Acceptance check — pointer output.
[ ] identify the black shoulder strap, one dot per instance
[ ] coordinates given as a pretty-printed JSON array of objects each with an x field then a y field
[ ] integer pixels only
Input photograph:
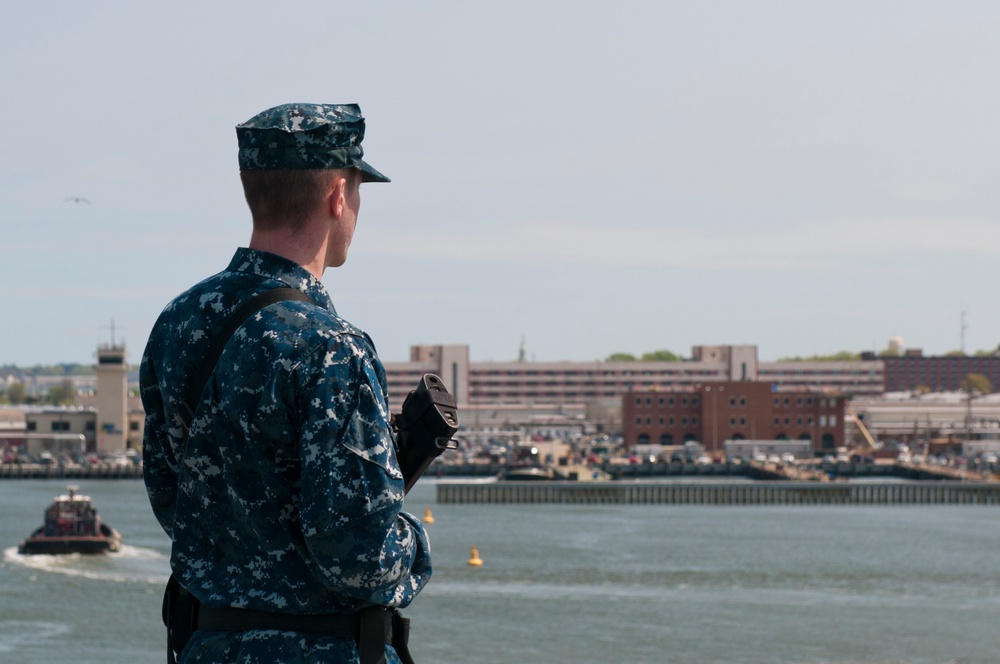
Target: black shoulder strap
[{"x": 245, "y": 310}]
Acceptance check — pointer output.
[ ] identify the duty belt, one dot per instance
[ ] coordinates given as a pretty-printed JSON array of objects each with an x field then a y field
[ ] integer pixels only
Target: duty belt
[{"x": 370, "y": 628}]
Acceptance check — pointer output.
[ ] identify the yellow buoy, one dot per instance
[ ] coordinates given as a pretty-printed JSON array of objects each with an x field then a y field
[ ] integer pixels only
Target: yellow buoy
[
  {"x": 474, "y": 559},
  {"x": 428, "y": 517}
]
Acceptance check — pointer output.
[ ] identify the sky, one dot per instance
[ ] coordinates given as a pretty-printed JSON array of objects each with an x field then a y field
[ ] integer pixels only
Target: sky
[{"x": 587, "y": 177}]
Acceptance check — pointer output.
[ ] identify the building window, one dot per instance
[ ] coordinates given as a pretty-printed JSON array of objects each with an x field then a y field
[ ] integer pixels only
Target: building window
[
  {"x": 638, "y": 421},
  {"x": 694, "y": 421},
  {"x": 822, "y": 420},
  {"x": 684, "y": 421},
  {"x": 743, "y": 402},
  {"x": 32, "y": 426},
  {"x": 833, "y": 420},
  {"x": 694, "y": 401}
]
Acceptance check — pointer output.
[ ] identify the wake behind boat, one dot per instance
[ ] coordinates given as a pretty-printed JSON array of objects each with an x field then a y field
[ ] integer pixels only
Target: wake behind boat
[{"x": 72, "y": 525}]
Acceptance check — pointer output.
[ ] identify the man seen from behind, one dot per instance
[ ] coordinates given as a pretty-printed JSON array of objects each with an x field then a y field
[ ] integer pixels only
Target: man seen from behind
[{"x": 269, "y": 460}]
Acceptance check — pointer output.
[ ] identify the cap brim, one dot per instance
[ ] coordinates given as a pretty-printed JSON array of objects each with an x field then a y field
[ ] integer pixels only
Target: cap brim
[{"x": 369, "y": 174}]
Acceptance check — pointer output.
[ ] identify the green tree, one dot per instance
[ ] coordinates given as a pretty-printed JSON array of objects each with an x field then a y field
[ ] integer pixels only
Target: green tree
[
  {"x": 62, "y": 394},
  {"x": 661, "y": 355},
  {"x": 620, "y": 357},
  {"x": 976, "y": 383},
  {"x": 839, "y": 356},
  {"x": 16, "y": 393}
]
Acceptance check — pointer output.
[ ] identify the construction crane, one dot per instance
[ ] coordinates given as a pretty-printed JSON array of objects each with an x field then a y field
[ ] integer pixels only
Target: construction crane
[{"x": 872, "y": 444}]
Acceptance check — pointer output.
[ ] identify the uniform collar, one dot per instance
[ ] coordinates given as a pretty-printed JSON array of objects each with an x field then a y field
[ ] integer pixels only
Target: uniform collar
[{"x": 273, "y": 266}]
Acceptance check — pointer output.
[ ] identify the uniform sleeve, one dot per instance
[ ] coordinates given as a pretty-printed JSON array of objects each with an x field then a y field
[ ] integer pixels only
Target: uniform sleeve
[
  {"x": 158, "y": 463},
  {"x": 351, "y": 486}
]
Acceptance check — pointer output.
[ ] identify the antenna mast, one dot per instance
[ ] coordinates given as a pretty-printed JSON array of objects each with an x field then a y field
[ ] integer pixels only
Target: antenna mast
[{"x": 963, "y": 331}]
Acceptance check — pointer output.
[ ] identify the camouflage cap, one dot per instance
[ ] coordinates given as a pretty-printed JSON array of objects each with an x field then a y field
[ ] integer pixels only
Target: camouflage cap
[{"x": 305, "y": 136}]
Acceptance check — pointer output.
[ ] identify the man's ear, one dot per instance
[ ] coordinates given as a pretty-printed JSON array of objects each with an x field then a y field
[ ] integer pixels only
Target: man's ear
[{"x": 338, "y": 196}]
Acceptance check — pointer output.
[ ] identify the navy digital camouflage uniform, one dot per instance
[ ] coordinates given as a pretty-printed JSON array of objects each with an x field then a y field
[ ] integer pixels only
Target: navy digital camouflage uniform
[{"x": 285, "y": 495}]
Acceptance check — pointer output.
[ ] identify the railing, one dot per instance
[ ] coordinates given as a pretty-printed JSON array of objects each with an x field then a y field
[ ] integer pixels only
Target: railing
[
  {"x": 716, "y": 493},
  {"x": 98, "y": 471}
]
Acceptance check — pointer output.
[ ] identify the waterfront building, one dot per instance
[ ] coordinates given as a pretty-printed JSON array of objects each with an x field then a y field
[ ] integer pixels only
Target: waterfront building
[
  {"x": 11, "y": 420},
  {"x": 732, "y": 410},
  {"x": 496, "y": 392},
  {"x": 913, "y": 371},
  {"x": 503, "y": 399},
  {"x": 852, "y": 378},
  {"x": 946, "y": 418},
  {"x": 109, "y": 418},
  {"x": 587, "y": 382}
]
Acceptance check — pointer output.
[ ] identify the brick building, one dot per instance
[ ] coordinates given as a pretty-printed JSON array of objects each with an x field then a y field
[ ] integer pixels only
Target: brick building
[
  {"x": 720, "y": 411},
  {"x": 913, "y": 371}
]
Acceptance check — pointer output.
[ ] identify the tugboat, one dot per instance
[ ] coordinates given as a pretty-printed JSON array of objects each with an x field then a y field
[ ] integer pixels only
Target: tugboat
[
  {"x": 72, "y": 526},
  {"x": 520, "y": 472}
]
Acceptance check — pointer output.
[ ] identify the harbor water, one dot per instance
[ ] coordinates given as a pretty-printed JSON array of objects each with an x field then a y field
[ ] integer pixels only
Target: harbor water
[{"x": 748, "y": 584}]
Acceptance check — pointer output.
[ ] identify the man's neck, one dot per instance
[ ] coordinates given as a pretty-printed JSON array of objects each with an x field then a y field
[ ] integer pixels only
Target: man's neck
[{"x": 306, "y": 248}]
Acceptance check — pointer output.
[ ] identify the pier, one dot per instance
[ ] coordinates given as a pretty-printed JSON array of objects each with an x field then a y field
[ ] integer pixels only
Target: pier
[
  {"x": 97, "y": 471},
  {"x": 707, "y": 492}
]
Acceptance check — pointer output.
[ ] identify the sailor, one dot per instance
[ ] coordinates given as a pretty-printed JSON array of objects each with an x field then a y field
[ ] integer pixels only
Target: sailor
[{"x": 274, "y": 472}]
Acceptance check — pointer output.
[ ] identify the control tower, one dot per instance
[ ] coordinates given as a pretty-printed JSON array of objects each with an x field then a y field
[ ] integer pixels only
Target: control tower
[{"x": 112, "y": 397}]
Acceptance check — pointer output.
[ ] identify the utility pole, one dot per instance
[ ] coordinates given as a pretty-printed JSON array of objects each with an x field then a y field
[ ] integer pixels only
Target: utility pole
[{"x": 963, "y": 331}]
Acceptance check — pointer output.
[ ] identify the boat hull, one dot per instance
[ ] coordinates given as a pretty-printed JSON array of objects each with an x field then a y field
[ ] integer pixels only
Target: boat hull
[
  {"x": 109, "y": 541},
  {"x": 531, "y": 474}
]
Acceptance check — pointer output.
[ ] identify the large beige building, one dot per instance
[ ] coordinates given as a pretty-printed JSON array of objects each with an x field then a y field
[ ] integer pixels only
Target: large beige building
[
  {"x": 497, "y": 392},
  {"x": 566, "y": 383}
]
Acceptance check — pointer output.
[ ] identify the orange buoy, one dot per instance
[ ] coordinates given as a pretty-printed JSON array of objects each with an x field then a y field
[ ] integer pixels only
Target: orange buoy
[
  {"x": 474, "y": 558},
  {"x": 428, "y": 517}
]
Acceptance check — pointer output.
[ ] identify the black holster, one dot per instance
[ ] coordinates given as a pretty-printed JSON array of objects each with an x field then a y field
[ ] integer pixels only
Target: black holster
[{"x": 180, "y": 617}]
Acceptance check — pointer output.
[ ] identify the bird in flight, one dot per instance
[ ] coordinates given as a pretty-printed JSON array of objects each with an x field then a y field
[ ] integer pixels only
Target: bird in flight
[{"x": 76, "y": 199}]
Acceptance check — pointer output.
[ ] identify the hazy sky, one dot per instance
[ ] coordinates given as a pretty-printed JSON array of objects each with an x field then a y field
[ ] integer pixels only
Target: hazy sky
[{"x": 593, "y": 176}]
